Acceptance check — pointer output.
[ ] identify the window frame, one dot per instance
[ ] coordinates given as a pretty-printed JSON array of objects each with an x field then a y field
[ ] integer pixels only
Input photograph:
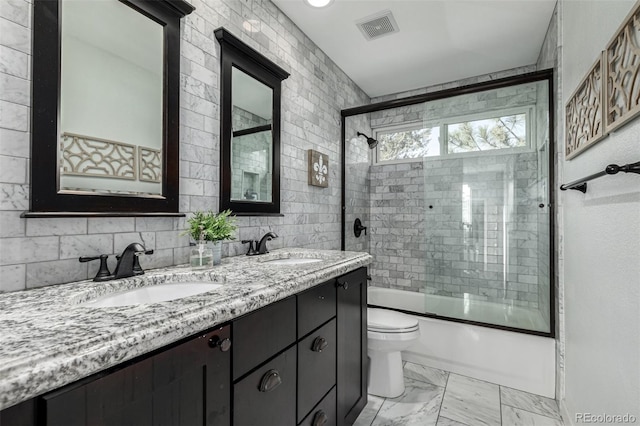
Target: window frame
[{"x": 530, "y": 129}]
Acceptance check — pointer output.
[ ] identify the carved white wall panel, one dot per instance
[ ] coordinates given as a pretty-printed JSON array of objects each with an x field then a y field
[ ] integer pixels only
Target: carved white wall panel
[
  {"x": 622, "y": 63},
  {"x": 150, "y": 164},
  {"x": 88, "y": 156},
  {"x": 584, "y": 113}
]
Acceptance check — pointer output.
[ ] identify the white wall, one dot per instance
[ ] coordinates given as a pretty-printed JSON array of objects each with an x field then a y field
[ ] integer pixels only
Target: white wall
[{"x": 601, "y": 240}]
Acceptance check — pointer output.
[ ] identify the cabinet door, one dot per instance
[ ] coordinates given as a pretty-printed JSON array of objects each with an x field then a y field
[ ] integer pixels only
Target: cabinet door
[
  {"x": 315, "y": 307},
  {"x": 261, "y": 334},
  {"x": 267, "y": 397},
  {"x": 186, "y": 384},
  {"x": 191, "y": 382},
  {"x": 324, "y": 413},
  {"x": 352, "y": 345}
]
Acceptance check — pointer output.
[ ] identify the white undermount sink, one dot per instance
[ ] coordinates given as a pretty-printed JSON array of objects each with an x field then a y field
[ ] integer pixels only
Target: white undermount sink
[
  {"x": 151, "y": 294},
  {"x": 293, "y": 261}
]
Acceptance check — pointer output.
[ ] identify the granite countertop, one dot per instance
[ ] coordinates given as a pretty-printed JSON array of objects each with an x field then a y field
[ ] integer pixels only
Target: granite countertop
[{"x": 47, "y": 339}]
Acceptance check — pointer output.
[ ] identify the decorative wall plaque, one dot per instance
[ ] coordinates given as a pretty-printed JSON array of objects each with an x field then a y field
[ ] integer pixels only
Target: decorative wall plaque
[
  {"x": 318, "y": 169},
  {"x": 622, "y": 71},
  {"x": 583, "y": 113}
]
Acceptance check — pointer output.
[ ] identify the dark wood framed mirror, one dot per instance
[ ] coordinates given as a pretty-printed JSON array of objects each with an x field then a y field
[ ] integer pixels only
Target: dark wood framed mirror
[
  {"x": 105, "y": 116},
  {"x": 250, "y": 129}
]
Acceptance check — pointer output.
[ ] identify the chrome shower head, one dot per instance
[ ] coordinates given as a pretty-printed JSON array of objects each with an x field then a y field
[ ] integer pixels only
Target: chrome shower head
[{"x": 371, "y": 141}]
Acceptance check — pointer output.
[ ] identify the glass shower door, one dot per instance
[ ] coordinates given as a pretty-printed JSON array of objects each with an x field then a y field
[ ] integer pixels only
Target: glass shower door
[{"x": 487, "y": 225}]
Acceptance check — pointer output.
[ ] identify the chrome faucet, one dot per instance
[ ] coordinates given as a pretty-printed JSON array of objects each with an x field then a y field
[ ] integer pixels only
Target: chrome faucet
[
  {"x": 262, "y": 245},
  {"x": 128, "y": 263}
]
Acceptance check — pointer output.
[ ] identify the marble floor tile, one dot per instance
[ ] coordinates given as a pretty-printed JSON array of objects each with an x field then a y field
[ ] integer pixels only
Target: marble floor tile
[
  {"x": 516, "y": 417},
  {"x": 417, "y": 406},
  {"x": 529, "y": 402},
  {"x": 425, "y": 374},
  {"x": 370, "y": 411},
  {"x": 443, "y": 421},
  {"x": 471, "y": 401}
]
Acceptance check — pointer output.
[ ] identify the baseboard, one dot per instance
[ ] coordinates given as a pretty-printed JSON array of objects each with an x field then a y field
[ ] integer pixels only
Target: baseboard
[{"x": 566, "y": 418}]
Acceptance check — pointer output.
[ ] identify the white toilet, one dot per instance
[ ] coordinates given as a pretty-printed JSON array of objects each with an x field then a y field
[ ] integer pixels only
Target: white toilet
[{"x": 388, "y": 332}]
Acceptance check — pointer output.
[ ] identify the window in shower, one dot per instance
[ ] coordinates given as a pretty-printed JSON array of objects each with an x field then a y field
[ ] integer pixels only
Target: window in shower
[
  {"x": 408, "y": 142},
  {"x": 506, "y": 129},
  {"x": 496, "y": 132}
]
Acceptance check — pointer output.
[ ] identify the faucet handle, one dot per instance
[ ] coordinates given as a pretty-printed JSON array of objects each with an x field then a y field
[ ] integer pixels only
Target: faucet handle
[
  {"x": 103, "y": 273},
  {"x": 137, "y": 269},
  {"x": 251, "y": 250}
]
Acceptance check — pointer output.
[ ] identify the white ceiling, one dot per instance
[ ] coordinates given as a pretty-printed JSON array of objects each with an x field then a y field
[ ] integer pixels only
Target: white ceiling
[{"x": 439, "y": 41}]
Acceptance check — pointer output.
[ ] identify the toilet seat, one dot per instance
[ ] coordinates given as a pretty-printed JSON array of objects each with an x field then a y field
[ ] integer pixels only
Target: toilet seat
[{"x": 386, "y": 321}]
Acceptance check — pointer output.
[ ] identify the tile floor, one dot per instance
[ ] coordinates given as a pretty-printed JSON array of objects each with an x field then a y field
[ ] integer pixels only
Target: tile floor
[{"x": 438, "y": 398}]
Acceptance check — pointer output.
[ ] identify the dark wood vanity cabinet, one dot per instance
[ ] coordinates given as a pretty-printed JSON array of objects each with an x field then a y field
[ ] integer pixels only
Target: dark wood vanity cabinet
[
  {"x": 186, "y": 384},
  {"x": 298, "y": 361},
  {"x": 352, "y": 343},
  {"x": 329, "y": 349}
]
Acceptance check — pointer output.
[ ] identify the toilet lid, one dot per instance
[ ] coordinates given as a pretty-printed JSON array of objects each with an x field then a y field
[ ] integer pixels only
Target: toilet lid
[{"x": 386, "y": 321}]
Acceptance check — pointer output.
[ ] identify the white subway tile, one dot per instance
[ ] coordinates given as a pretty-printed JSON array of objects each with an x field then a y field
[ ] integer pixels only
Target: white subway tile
[
  {"x": 85, "y": 245},
  {"x": 56, "y": 226},
  {"x": 12, "y": 278},
  {"x": 28, "y": 250},
  {"x": 15, "y": 36}
]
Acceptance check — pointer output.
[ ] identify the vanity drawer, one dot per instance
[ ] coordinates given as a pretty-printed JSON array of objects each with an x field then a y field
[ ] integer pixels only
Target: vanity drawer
[
  {"x": 265, "y": 397},
  {"x": 324, "y": 414},
  {"x": 262, "y": 334},
  {"x": 316, "y": 367},
  {"x": 316, "y": 306}
]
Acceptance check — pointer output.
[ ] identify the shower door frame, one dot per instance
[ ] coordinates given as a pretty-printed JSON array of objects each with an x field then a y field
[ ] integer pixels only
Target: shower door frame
[{"x": 531, "y": 77}]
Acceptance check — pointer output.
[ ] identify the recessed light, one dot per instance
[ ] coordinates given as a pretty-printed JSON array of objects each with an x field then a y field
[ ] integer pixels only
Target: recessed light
[
  {"x": 251, "y": 25},
  {"x": 318, "y": 3}
]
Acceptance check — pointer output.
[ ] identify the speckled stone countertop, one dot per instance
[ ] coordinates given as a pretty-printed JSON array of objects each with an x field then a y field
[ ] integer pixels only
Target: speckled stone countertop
[{"x": 47, "y": 339}]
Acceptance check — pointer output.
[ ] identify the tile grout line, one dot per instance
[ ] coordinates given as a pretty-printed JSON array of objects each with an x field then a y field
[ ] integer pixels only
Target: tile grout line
[
  {"x": 379, "y": 408},
  {"x": 443, "y": 394},
  {"x": 532, "y": 412}
]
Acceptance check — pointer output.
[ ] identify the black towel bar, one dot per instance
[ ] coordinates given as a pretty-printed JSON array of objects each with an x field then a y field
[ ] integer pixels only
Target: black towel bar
[{"x": 611, "y": 169}]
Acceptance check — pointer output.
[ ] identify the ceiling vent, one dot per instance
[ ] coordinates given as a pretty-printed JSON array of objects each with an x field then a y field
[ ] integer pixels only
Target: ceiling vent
[{"x": 378, "y": 25}]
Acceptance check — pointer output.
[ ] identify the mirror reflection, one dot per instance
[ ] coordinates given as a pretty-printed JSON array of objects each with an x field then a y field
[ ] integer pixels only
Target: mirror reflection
[
  {"x": 111, "y": 100},
  {"x": 251, "y": 139}
]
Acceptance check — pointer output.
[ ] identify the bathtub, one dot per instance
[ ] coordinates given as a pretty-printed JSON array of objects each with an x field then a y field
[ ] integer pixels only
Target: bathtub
[{"x": 516, "y": 360}]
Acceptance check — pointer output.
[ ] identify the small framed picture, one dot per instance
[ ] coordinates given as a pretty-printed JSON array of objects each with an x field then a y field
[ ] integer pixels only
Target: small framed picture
[{"x": 318, "y": 169}]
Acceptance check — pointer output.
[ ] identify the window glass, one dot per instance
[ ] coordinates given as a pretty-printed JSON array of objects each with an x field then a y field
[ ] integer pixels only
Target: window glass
[
  {"x": 492, "y": 133},
  {"x": 411, "y": 143}
]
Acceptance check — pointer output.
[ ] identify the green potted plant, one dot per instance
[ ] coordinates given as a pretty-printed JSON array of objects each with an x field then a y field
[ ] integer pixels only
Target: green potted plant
[{"x": 209, "y": 228}]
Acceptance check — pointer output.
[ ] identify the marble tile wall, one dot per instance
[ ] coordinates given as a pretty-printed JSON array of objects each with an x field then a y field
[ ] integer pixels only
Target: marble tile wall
[
  {"x": 457, "y": 83},
  {"x": 420, "y": 244},
  {"x": 39, "y": 252}
]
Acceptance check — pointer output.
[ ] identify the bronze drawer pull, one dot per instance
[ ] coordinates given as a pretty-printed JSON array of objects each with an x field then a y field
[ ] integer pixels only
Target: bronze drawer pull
[
  {"x": 319, "y": 419},
  {"x": 270, "y": 381},
  {"x": 223, "y": 344},
  {"x": 344, "y": 285},
  {"x": 319, "y": 344}
]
